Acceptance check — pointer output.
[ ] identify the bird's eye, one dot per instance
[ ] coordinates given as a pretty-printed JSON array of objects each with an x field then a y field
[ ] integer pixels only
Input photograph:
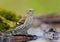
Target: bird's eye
[{"x": 30, "y": 10}]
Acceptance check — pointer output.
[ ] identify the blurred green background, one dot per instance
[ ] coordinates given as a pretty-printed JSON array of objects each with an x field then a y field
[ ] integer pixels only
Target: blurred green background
[
  {"x": 8, "y": 20},
  {"x": 41, "y": 7}
]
